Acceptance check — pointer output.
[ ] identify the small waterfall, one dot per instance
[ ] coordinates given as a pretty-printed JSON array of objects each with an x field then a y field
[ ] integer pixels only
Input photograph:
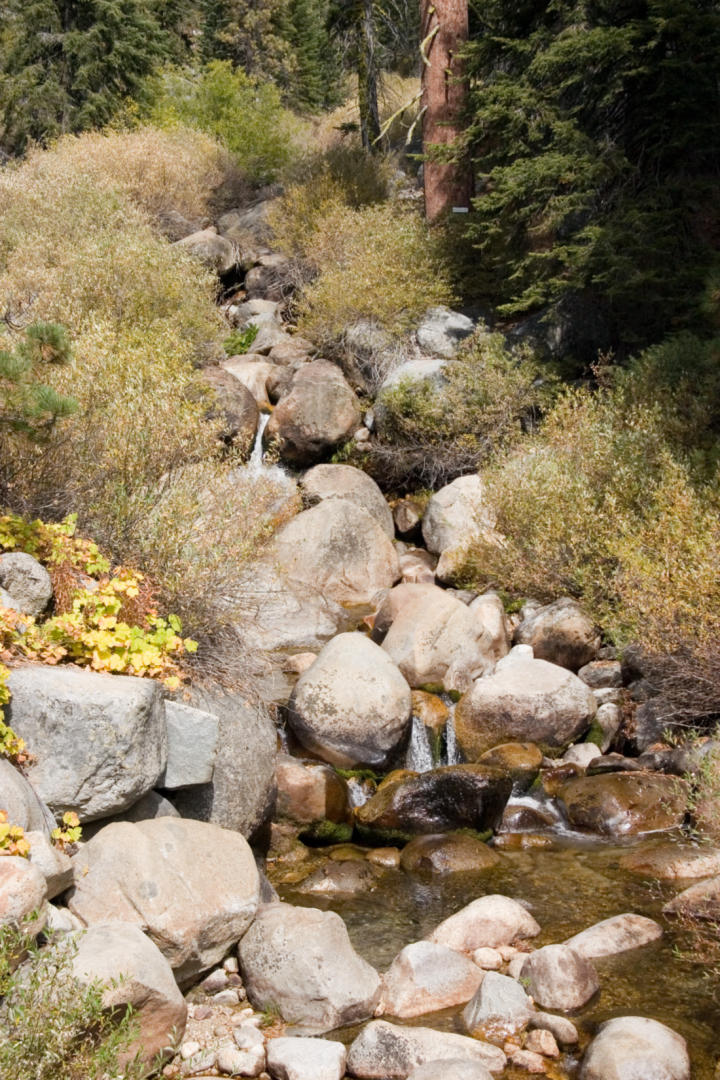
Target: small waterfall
[
  {"x": 358, "y": 792},
  {"x": 255, "y": 463},
  {"x": 419, "y": 753},
  {"x": 454, "y": 757}
]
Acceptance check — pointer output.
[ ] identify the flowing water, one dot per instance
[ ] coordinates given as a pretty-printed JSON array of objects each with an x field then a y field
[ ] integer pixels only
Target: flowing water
[
  {"x": 567, "y": 888},
  {"x": 255, "y": 462}
]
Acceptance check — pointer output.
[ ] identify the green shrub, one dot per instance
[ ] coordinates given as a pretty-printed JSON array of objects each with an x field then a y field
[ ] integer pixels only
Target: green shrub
[
  {"x": 240, "y": 341},
  {"x": 54, "y": 1028},
  {"x": 27, "y": 406},
  {"x": 245, "y": 114},
  {"x": 429, "y": 433}
]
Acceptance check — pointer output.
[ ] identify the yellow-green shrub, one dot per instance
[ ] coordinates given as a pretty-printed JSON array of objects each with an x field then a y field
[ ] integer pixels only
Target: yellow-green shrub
[
  {"x": 378, "y": 262},
  {"x": 597, "y": 505}
]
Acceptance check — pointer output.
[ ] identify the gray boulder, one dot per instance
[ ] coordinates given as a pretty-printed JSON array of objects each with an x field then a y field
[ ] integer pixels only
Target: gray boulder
[
  {"x": 241, "y": 793},
  {"x": 234, "y": 406},
  {"x": 384, "y": 1051},
  {"x": 634, "y": 1047},
  {"x": 191, "y": 886},
  {"x": 26, "y": 581},
  {"x": 320, "y": 411},
  {"x": 527, "y": 700},
  {"x": 339, "y": 550},
  {"x": 214, "y": 251},
  {"x": 455, "y": 514},
  {"x": 192, "y": 737},
  {"x": 499, "y": 1009},
  {"x": 454, "y": 1069},
  {"x": 345, "y": 482},
  {"x": 306, "y": 1059},
  {"x": 301, "y": 961},
  {"x": 560, "y": 632},
  {"x": 442, "y": 330},
  {"x": 559, "y": 978},
  {"x": 352, "y": 706},
  {"x": 21, "y": 802},
  {"x": 99, "y": 740},
  {"x": 134, "y": 973},
  {"x": 53, "y": 863},
  {"x": 615, "y": 935},
  {"x": 488, "y": 921},
  {"x": 424, "y": 978}
]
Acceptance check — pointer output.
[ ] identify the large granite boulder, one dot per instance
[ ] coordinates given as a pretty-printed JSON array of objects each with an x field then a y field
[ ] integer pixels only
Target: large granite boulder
[
  {"x": 26, "y": 581},
  {"x": 499, "y": 1009},
  {"x": 631, "y": 1047},
  {"x": 455, "y": 516},
  {"x": 320, "y": 411},
  {"x": 352, "y": 706},
  {"x": 133, "y": 973},
  {"x": 241, "y": 793},
  {"x": 451, "y": 797},
  {"x": 490, "y": 921},
  {"x": 670, "y": 861},
  {"x": 442, "y": 330},
  {"x": 527, "y": 700},
  {"x": 424, "y": 978},
  {"x": 339, "y": 550},
  {"x": 233, "y": 406},
  {"x": 560, "y": 632},
  {"x": 191, "y": 886},
  {"x": 192, "y": 744},
  {"x": 300, "y": 961},
  {"x": 99, "y": 740},
  {"x": 347, "y": 482},
  {"x": 559, "y": 978},
  {"x": 615, "y": 935},
  {"x": 384, "y": 1051},
  {"x": 436, "y": 640},
  {"x": 213, "y": 250},
  {"x": 625, "y": 803},
  {"x": 253, "y": 372},
  {"x": 306, "y": 1059}
]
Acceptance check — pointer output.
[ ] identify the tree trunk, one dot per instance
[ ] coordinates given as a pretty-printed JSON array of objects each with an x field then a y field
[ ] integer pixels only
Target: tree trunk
[
  {"x": 367, "y": 79},
  {"x": 444, "y": 30}
]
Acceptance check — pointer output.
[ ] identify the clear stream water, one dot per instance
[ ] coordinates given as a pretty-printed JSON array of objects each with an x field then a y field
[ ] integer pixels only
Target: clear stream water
[{"x": 567, "y": 888}]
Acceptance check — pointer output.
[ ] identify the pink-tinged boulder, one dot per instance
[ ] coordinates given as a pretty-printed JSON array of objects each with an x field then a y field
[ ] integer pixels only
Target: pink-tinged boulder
[
  {"x": 615, "y": 935},
  {"x": 320, "y": 411},
  {"x": 560, "y": 632},
  {"x": 634, "y": 1047},
  {"x": 424, "y": 978},
  {"x": 559, "y": 978},
  {"x": 488, "y": 921},
  {"x": 384, "y": 1051}
]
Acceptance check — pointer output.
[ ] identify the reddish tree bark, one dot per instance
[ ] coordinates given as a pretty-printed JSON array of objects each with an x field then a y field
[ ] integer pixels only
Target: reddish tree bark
[{"x": 444, "y": 30}]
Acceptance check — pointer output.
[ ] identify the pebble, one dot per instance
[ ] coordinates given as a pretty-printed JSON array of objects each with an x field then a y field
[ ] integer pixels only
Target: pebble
[
  {"x": 237, "y": 1062},
  {"x": 247, "y": 1036},
  {"x": 542, "y": 1041},
  {"x": 200, "y": 1012},
  {"x": 231, "y": 965},
  {"x": 488, "y": 959},
  {"x": 189, "y": 1049},
  {"x": 201, "y": 1062},
  {"x": 389, "y": 857},
  {"x": 507, "y": 952},
  {"x": 227, "y": 997},
  {"x": 215, "y": 981},
  {"x": 563, "y": 1029}
]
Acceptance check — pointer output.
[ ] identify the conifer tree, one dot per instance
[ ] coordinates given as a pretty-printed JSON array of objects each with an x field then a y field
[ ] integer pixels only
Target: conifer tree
[
  {"x": 27, "y": 405},
  {"x": 71, "y": 63}
]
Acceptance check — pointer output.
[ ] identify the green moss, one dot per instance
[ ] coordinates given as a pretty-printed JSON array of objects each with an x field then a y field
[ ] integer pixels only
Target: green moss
[
  {"x": 376, "y": 836},
  {"x": 324, "y": 832},
  {"x": 433, "y": 688},
  {"x": 595, "y": 735},
  {"x": 360, "y": 774}
]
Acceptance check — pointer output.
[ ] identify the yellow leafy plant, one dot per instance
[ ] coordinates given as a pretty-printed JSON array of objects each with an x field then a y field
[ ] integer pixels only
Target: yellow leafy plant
[
  {"x": 69, "y": 832},
  {"x": 52, "y": 543},
  {"x": 12, "y": 838},
  {"x": 11, "y": 745}
]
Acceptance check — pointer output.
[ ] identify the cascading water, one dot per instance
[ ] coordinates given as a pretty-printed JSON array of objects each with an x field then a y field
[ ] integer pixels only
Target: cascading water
[
  {"x": 452, "y": 752},
  {"x": 255, "y": 463},
  {"x": 419, "y": 756}
]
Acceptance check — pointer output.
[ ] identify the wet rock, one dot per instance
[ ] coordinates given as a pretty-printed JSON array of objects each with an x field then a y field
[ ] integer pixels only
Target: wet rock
[
  {"x": 192, "y": 737},
  {"x": 309, "y": 791},
  {"x": 119, "y": 744},
  {"x": 306, "y": 1059},
  {"x": 625, "y": 804},
  {"x": 320, "y": 411},
  {"x": 452, "y": 797},
  {"x": 242, "y": 790},
  {"x": 352, "y": 706},
  {"x": 492, "y": 921},
  {"x": 526, "y": 1059},
  {"x": 447, "y": 853},
  {"x": 301, "y": 961},
  {"x": 612, "y": 763},
  {"x": 431, "y": 710},
  {"x": 340, "y": 879},
  {"x": 436, "y": 640},
  {"x": 542, "y": 1042},
  {"x": 346, "y": 482},
  {"x": 133, "y": 972},
  {"x": 424, "y": 978},
  {"x": 26, "y": 581},
  {"x": 21, "y": 802},
  {"x": 633, "y": 1046},
  {"x": 615, "y": 935},
  {"x": 387, "y": 857},
  {"x": 499, "y": 1009},
  {"x": 520, "y": 761},
  {"x": 559, "y": 978},
  {"x": 23, "y": 894},
  {"x": 582, "y": 754},
  {"x": 560, "y": 632},
  {"x": 384, "y": 1051},
  {"x": 700, "y": 901},
  {"x": 668, "y": 862},
  {"x": 192, "y": 886},
  {"x": 562, "y": 1029},
  {"x": 339, "y": 550},
  {"x": 526, "y": 701},
  {"x": 607, "y": 723}
]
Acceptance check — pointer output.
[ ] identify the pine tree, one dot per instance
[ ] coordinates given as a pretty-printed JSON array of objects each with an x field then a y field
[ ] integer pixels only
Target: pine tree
[
  {"x": 253, "y": 35},
  {"x": 27, "y": 405},
  {"x": 595, "y": 129},
  {"x": 316, "y": 82},
  {"x": 71, "y": 63}
]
